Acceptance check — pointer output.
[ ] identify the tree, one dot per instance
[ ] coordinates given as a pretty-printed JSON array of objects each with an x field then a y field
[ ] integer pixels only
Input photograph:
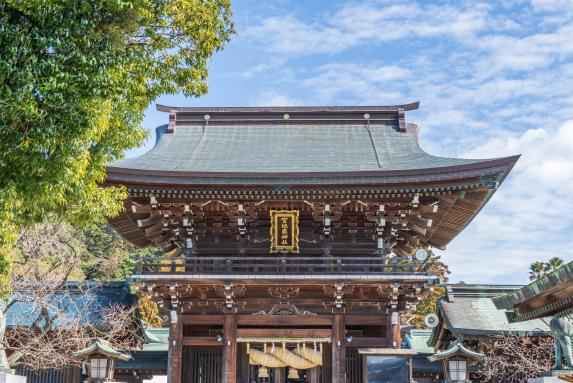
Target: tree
[
  {"x": 515, "y": 359},
  {"x": 536, "y": 270},
  {"x": 75, "y": 79},
  {"x": 47, "y": 258},
  {"x": 428, "y": 304},
  {"x": 107, "y": 255},
  {"x": 540, "y": 269},
  {"x": 58, "y": 325},
  {"x": 55, "y": 316}
]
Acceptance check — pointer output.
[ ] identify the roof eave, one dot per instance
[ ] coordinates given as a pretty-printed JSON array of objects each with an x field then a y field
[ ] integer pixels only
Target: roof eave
[
  {"x": 299, "y": 177},
  {"x": 527, "y": 292}
]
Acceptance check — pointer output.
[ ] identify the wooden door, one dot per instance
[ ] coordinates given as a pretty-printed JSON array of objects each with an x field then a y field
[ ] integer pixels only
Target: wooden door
[{"x": 202, "y": 365}]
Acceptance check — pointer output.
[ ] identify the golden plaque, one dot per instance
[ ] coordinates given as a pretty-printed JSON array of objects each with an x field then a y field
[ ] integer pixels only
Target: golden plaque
[{"x": 284, "y": 231}]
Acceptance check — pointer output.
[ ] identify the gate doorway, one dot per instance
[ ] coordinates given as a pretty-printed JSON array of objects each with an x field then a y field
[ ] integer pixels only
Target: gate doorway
[
  {"x": 257, "y": 360},
  {"x": 202, "y": 365}
]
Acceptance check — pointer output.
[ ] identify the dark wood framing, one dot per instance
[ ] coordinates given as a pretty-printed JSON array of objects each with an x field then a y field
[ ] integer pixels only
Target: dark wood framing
[
  {"x": 355, "y": 274},
  {"x": 235, "y": 366}
]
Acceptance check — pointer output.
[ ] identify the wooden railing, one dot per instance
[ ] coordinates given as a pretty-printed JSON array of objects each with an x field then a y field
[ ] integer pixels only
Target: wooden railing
[{"x": 275, "y": 265}]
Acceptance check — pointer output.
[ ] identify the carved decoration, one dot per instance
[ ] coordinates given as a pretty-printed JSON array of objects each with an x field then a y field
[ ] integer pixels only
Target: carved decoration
[
  {"x": 283, "y": 292},
  {"x": 284, "y": 309}
]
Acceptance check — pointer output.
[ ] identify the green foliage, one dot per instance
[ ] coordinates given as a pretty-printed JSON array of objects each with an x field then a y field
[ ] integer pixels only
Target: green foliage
[
  {"x": 107, "y": 255},
  {"x": 428, "y": 304},
  {"x": 540, "y": 269},
  {"x": 75, "y": 79},
  {"x": 148, "y": 310}
]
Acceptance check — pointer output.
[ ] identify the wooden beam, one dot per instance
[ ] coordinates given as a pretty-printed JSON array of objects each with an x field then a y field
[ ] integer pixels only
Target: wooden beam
[
  {"x": 429, "y": 208},
  {"x": 413, "y": 241},
  {"x": 155, "y": 230},
  {"x": 201, "y": 341},
  {"x": 280, "y": 332},
  {"x": 286, "y": 320},
  {"x": 369, "y": 342},
  {"x": 203, "y": 319},
  {"x": 145, "y": 222},
  {"x": 417, "y": 229},
  {"x": 353, "y": 319},
  {"x": 423, "y": 222}
]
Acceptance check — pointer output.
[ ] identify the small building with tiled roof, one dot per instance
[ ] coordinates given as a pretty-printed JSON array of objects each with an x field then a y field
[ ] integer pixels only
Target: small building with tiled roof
[{"x": 468, "y": 311}]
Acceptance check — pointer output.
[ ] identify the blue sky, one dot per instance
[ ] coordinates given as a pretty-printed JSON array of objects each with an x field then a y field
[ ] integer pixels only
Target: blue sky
[{"x": 494, "y": 79}]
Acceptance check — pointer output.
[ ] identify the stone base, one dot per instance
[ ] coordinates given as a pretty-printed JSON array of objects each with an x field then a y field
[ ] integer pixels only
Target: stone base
[
  {"x": 545, "y": 379},
  {"x": 551, "y": 376},
  {"x": 8, "y": 377}
]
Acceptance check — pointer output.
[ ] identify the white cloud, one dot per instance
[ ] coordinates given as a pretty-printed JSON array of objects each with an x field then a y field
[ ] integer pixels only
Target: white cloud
[
  {"x": 528, "y": 218},
  {"x": 366, "y": 84},
  {"x": 359, "y": 23},
  {"x": 552, "y": 5},
  {"x": 271, "y": 98}
]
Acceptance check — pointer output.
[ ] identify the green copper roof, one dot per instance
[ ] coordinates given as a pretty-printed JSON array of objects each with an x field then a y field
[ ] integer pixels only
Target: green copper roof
[
  {"x": 558, "y": 279},
  {"x": 100, "y": 346},
  {"x": 156, "y": 361},
  {"x": 457, "y": 348},
  {"x": 157, "y": 339},
  {"x": 269, "y": 148},
  {"x": 296, "y": 145},
  {"x": 417, "y": 339}
]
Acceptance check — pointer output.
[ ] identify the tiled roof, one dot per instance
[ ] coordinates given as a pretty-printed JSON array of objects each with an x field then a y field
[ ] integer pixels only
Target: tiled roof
[
  {"x": 557, "y": 279},
  {"x": 468, "y": 310},
  {"x": 157, "y": 339},
  {"x": 303, "y": 145},
  {"x": 100, "y": 346},
  {"x": 144, "y": 360},
  {"x": 86, "y": 306},
  {"x": 269, "y": 148},
  {"x": 456, "y": 348},
  {"x": 153, "y": 354}
]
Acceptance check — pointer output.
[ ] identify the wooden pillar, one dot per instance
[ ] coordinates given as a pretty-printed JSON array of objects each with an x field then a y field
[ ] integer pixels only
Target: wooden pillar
[
  {"x": 279, "y": 375},
  {"x": 338, "y": 350},
  {"x": 230, "y": 349},
  {"x": 175, "y": 349},
  {"x": 244, "y": 367},
  {"x": 393, "y": 330},
  {"x": 327, "y": 364},
  {"x": 314, "y": 376}
]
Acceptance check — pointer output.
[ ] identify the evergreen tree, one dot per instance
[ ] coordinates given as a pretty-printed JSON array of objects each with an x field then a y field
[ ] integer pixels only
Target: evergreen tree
[{"x": 75, "y": 79}]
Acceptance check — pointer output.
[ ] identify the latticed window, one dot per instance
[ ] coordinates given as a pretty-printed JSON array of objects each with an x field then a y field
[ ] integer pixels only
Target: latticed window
[
  {"x": 458, "y": 370},
  {"x": 98, "y": 368}
]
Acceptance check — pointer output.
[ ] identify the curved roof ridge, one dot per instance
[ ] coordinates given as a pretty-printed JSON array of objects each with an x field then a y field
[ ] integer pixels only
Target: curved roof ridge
[
  {"x": 457, "y": 348},
  {"x": 279, "y": 109}
]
